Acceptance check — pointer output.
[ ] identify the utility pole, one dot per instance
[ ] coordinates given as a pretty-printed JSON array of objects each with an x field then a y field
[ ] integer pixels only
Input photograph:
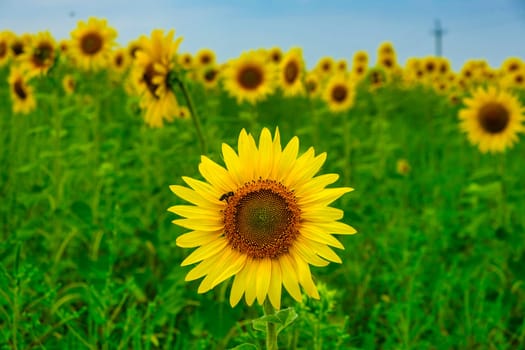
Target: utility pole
[{"x": 438, "y": 36}]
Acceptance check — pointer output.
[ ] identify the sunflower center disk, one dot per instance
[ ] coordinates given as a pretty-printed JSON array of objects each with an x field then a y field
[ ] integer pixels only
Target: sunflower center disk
[
  {"x": 91, "y": 43},
  {"x": 493, "y": 117},
  {"x": 19, "y": 89},
  {"x": 3, "y": 49},
  {"x": 262, "y": 219},
  {"x": 42, "y": 54},
  {"x": 339, "y": 93},
  {"x": 291, "y": 72},
  {"x": 250, "y": 78}
]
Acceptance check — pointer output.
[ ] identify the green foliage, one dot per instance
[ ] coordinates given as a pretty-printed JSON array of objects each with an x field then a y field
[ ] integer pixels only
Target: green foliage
[{"x": 88, "y": 257}]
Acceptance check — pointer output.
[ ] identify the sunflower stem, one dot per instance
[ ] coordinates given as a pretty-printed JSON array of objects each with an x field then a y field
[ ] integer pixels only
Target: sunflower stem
[
  {"x": 194, "y": 116},
  {"x": 271, "y": 332}
]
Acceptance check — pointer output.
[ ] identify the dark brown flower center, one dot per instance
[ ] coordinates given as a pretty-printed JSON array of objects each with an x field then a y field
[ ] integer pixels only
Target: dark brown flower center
[
  {"x": 250, "y": 77},
  {"x": 119, "y": 60},
  {"x": 91, "y": 43},
  {"x": 493, "y": 117},
  {"x": 3, "y": 49},
  {"x": 513, "y": 67},
  {"x": 19, "y": 89},
  {"x": 205, "y": 59},
  {"x": 387, "y": 62},
  {"x": 147, "y": 77},
  {"x": 311, "y": 86},
  {"x": 43, "y": 55},
  {"x": 210, "y": 75},
  {"x": 339, "y": 93},
  {"x": 430, "y": 67},
  {"x": 518, "y": 79},
  {"x": 360, "y": 70},
  {"x": 17, "y": 47},
  {"x": 262, "y": 219},
  {"x": 291, "y": 72},
  {"x": 276, "y": 56}
]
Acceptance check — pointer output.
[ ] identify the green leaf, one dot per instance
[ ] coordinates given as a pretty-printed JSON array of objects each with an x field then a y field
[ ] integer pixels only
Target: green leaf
[{"x": 244, "y": 346}]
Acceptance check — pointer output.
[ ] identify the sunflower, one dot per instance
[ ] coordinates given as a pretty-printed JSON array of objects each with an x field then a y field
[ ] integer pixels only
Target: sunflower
[
  {"x": 133, "y": 47},
  {"x": 312, "y": 83},
  {"x": 40, "y": 55},
  {"x": 325, "y": 66},
  {"x": 69, "y": 84},
  {"x": 249, "y": 77},
  {"x": 263, "y": 219},
  {"x": 152, "y": 67},
  {"x": 512, "y": 64},
  {"x": 275, "y": 55},
  {"x": 19, "y": 44},
  {"x": 120, "y": 60},
  {"x": 21, "y": 92},
  {"x": 91, "y": 43},
  {"x": 183, "y": 112},
  {"x": 359, "y": 70},
  {"x": 209, "y": 76},
  {"x": 291, "y": 73},
  {"x": 5, "y": 43},
  {"x": 339, "y": 93},
  {"x": 492, "y": 119},
  {"x": 205, "y": 57},
  {"x": 185, "y": 60},
  {"x": 360, "y": 57}
]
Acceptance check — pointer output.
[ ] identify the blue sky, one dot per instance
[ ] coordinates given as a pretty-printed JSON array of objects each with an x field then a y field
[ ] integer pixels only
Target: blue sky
[{"x": 490, "y": 29}]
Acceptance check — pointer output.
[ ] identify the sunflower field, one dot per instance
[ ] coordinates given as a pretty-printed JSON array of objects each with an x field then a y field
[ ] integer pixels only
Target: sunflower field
[{"x": 158, "y": 199}]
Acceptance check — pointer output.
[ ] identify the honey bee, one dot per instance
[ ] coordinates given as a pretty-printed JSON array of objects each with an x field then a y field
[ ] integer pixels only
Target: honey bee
[{"x": 226, "y": 196}]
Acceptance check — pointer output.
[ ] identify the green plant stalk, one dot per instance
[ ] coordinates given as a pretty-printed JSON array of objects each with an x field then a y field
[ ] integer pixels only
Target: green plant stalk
[
  {"x": 271, "y": 332},
  {"x": 194, "y": 116}
]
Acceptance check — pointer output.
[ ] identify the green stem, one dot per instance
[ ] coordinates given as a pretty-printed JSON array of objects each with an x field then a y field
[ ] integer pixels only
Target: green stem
[
  {"x": 271, "y": 332},
  {"x": 194, "y": 116}
]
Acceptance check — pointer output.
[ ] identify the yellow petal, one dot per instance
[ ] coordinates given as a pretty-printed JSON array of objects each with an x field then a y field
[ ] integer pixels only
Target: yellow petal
[
  {"x": 334, "y": 227},
  {"x": 207, "y": 191},
  {"x": 324, "y": 251},
  {"x": 265, "y": 154},
  {"x": 317, "y": 183},
  {"x": 308, "y": 254},
  {"x": 190, "y": 195},
  {"x": 305, "y": 277},
  {"x": 216, "y": 175},
  {"x": 206, "y": 251},
  {"x": 264, "y": 274},
  {"x": 321, "y": 213},
  {"x": 238, "y": 286},
  {"x": 288, "y": 158},
  {"x": 274, "y": 290},
  {"x": 202, "y": 268},
  {"x": 220, "y": 265},
  {"x": 324, "y": 197},
  {"x": 247, "y": 154},
  {"x": 191, "y": 211},
  {"x": 198, "y": 225},
  {"x": 233, "y": 164},
  {"x": 312, "y": 234},
  {"x": 251, "y": 280},
  {"x": 236, "y": 263},
  {"x": 289, "y": 276},
  {"x": 197, "y": 238},
  {"x": 304, "y": 172}
]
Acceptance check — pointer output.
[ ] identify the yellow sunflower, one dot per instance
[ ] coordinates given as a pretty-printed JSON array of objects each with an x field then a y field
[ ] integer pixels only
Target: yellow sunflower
[
  {"x": 512, "y": 64},
  {"x": 91, "y": 43},
  {"x": 264, "y": 219},
  {"x": 120, "y": 60},
  {"x": 275, "y": 55},
  {"x": 325, "y": 66},
  {"x": 360, "y": 57},
  {"x": 40, "y": 55},
  {"x": 19, "y": 44},
  {"x": 5, "y": 43},
  {"x": 185, "y": 60},
  {"x": 69, "y": 84},
  {"x": 204, "y": 57},
  {"x": 151, "y": 70},
  {"x": 209, "y": 76},
  {"x": 291, "y": 73},
  {"x": 312, "y": 83},
  {"x": 249, "y": 77},
  {"x": 21, "y": 92},
  {"x": 492, "y": 119},
  {"x": 339, "y": 93}
]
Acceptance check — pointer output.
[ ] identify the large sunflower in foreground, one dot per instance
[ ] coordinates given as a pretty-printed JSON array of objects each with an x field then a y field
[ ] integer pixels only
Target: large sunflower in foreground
[
  {"x": 21, "y": 92},
  {"x": 91, "y": 43},
  {"x": 249, "y": 77},
  {"x": 492, "y": 119},
  {"x": 263, "y": 219}
]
